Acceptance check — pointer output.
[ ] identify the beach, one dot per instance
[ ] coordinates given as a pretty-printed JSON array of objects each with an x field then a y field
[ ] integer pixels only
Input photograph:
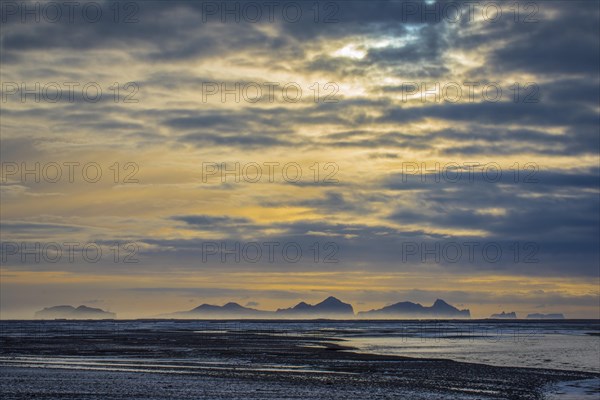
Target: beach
[{"x": 176, "y": 360}]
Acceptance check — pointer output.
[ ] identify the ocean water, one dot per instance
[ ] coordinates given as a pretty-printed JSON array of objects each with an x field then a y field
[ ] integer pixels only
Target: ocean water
[
  {"x": 557, "y": 345},
  {"x": 564, "y": 345}
]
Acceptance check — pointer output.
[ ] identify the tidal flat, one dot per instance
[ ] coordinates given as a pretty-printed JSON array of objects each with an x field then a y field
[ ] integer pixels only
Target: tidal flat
[{"x": 184, "y": 360}]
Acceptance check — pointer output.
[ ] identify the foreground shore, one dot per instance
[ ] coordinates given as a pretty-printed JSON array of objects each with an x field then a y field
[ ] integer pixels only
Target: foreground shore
[{"x": 150, "y": 363}]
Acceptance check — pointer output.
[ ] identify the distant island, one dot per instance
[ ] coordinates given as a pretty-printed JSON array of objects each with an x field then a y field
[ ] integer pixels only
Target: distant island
[
  {"x": 406, "y": 309},
  {"x": 503, "y": 315},
  {"x": 545, "y": 316},
  {"x": 229, "y": 310},
  {"x": 331, "y": 308},
  {"x": 70, "y": 312},
  {"x": 328, "y": 308}
]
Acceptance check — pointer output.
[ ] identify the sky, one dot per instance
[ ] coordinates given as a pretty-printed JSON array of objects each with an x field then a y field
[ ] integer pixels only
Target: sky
[{"x": 158, "y": 155}]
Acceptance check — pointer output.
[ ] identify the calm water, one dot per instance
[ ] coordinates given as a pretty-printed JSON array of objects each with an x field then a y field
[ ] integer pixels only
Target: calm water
[{"x": 567, "y": 345}]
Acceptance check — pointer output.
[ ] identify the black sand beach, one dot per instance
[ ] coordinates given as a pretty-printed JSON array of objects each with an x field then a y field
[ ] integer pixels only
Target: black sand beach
[{"x": 145, "y": 363}]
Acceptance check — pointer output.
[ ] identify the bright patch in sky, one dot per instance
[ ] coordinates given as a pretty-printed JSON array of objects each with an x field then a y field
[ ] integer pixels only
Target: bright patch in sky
[{"x": 351, "y": 51}]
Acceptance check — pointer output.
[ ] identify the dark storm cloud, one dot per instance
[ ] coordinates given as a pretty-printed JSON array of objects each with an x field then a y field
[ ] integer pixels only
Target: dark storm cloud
[
  {"x": 570, "y": 42},
  {"x": 243, "y": 129},
  {"x": 535, "y": 114},
  {"x": 177, "y": 30},
  {"x": 559, "y": 212},
  {"x": 253, "y": 141},
  {"x": 459, "y": 176},
  {"x": 31, "y": 228},
  {"x": 164, "y": 31},
  {"x": 382, "y": 247},
  {"x": 330, "y": 202},
  {"x": 209, "y": 121},
  {"x": 578, "y": 139},
  {"x": 583, "y": 91},
  {"x": 94, "y": 31},
  {"x": 375, "y": 247},
  {"x": 473, "y": 139},
  {"x": 232, "y": 121},
  {"x": 256, "y": 127},
  {"x": 373, "y": 139},
  {"x": 171, "y": 31},
  {"x": 525, "y": 218},
  {"x": 207, "y": 221}
]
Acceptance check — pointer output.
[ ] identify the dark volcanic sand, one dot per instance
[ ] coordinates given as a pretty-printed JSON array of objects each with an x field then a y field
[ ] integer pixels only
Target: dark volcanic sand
[{"x": 183, "y": 364}]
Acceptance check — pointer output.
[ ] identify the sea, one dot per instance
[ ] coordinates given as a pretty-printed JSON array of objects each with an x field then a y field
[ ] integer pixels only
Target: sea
[{"x": 551, "y": 344}]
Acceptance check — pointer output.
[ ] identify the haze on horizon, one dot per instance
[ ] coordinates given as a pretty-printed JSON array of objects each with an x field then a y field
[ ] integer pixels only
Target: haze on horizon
[{"x": 359, "y": 219}]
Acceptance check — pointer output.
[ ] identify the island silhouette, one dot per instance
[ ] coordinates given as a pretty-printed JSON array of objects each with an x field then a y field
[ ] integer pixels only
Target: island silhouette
[
  {"x": 330, "y": 308},
  {"x": 546, "y": 316},
  {"x": 70, "y": 312},
  {"x": 407, "y": 309}
]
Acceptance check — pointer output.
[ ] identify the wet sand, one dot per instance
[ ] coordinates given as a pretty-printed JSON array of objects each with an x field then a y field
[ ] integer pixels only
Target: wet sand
[{"x": 186, "y": 364}]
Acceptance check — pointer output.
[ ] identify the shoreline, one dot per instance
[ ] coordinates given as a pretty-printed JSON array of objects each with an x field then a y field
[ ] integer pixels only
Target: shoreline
[{"x": 249, "y": 361}]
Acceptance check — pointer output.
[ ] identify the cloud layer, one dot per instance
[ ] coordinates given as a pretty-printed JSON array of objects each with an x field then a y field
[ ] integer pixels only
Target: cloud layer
[{"x": 380, "y": 136}]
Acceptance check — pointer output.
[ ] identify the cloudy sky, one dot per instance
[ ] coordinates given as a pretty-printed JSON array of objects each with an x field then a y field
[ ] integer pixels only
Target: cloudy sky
[{"x": 268, "y": 153}]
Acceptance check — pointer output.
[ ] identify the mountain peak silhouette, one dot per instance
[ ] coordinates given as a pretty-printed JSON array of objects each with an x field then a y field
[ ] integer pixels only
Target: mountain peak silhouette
[
  {"x": 329, "y": 306},
  {"x": 331, "y": 300}
]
